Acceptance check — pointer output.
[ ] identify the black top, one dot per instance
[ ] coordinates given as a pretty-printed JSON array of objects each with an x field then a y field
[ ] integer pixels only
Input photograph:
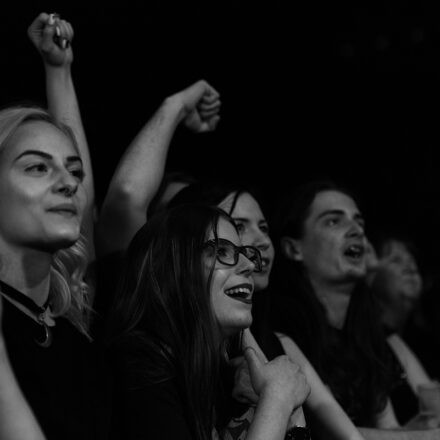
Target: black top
[
  {"x": 404, "y": 400},
  {"x": 261, "y": 327},
  {"x": 342, "y": 367},
  {"x": 153, "y": 412},
  {"x": 66, "y": 384}
]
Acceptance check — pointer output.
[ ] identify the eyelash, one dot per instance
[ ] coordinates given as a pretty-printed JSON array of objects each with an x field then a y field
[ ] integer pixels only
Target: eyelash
[
  {"x": 240, "y": 227},
  {"x": 332, "y": 221},
  {"x": 77, "y": 173},
  {"x": 264, "y": 228},
  {"x": 39, "y": 167}
]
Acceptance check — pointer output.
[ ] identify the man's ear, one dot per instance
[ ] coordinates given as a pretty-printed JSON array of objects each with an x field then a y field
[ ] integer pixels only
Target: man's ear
[{"x": 291, "y": 248}]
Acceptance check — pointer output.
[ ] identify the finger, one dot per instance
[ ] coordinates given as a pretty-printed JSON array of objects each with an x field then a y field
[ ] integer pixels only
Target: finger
[
  {"x": 65, "y": 29},
  {"x": 56, "y": 36},
  {"x": 52, "y": 18},
  {"x": 48, "y": 39},
  {"x": 209, "y": 98},
  {"x": 248, "y": 340},
  {"x": 206, "y": 116},
  {"x": 37, "y": 25},
  {"x": 64, "y": 34},
  {"x": 213, "y": 122},
  {"x": 237, "y": 361},
  {"x": 209, "y": 106},
  {"x": 210, "y": 91},
  {"x": 71, "y": 32},
  {"x": 254, "y": 362},
  {"x": 243, "y": 399}
]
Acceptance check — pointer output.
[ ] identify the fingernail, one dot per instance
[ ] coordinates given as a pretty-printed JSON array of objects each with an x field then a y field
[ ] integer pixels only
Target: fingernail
[
  {"x": 58, "y": 31},
  {"x": 67, "y": 43},
  {"x": 51, "y": 19},
  {"x": 63, "y": 43}
]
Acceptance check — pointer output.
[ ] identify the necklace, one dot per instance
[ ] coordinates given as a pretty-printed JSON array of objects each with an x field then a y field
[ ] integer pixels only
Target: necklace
[{"x": 39, "y": 312}]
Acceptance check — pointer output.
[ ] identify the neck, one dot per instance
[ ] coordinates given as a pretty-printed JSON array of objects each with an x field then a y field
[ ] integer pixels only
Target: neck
[
  {"x": 392, "y": 320},
  {"x": 28, "y": 271},
  {"x": 335, "y": 299}
]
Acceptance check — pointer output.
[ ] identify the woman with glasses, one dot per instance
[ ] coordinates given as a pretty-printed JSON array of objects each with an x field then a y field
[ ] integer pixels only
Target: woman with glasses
[{"x": 186, "y": 289}]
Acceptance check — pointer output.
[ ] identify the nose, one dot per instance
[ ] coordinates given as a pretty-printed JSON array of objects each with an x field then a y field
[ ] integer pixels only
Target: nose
[
  {"x": 261, "y": 241},
  {"x": 66, "y": 184},
  {"x": 410, "y": 267},
  {"x": 245, "y": 266},
  {"x": 355, "y": 229}
]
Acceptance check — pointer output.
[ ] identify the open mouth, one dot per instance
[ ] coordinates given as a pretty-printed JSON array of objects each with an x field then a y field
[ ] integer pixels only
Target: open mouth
[
  {"x": 242, "y": 292},
  {"x": 355, "y": 251}
]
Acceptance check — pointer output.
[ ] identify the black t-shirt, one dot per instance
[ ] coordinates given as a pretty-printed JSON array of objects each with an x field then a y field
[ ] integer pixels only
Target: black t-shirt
[
  {"x": 261, "y": 325},
  {"x": 154, "y": 412},
  {"x": 341, "y": 366},
  {"x": 67, "y": 384}
]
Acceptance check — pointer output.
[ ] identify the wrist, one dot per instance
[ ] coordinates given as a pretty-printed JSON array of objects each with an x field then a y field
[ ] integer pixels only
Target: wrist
[
  {"x": 62, "y": 72},
  {"x": 278, "y": 400},
  {"x": 174, "y": 107}
]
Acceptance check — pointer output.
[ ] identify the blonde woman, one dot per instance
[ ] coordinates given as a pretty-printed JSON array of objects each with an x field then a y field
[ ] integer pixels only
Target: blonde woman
[{"x": 46, "y": 201}]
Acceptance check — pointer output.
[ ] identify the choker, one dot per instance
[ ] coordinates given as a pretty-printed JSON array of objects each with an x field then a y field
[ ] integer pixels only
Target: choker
[{"x": 39, "y": 312}]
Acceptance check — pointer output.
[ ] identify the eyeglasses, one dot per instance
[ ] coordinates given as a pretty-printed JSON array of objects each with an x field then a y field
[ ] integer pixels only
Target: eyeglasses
[{"x": 228, "y": 253}]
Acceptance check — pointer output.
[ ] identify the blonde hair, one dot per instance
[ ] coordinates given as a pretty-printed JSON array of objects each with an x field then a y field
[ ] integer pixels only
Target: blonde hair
[{"x": 69, "y": 294}]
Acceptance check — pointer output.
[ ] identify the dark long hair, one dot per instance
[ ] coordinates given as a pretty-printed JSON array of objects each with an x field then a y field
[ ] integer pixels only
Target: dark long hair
[
  {"x": 212, "y": 193},
  {"x": 163, "y": 310},
  {"x": 355, "y": 364}
]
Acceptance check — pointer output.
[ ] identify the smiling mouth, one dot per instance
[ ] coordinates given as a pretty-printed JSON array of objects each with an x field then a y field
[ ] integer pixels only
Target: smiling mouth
[{"x": 241, "y": 293}]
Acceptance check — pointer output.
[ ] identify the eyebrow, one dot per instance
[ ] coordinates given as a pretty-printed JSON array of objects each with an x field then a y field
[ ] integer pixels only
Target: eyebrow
[
  {"x": 357, "y": 216},
  {"x": 46, "y": 156},
  {"x": 246, "y": 220},
  {"x": 240, "y": 219}
]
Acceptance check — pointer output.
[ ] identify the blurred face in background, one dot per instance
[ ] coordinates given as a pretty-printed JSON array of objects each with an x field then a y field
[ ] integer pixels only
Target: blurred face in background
[
  {"x": 254, "y": 231},
  {"x": 372, "y": 261},
  {"x": 398, "y": 281}
]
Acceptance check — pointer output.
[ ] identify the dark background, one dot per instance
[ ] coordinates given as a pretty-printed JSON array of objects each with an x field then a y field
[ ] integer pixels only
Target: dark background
[{"x": 347, "y": 90}]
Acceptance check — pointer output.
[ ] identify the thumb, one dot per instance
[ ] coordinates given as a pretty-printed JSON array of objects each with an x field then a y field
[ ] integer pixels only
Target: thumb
[{"x": 254, "y": 362}]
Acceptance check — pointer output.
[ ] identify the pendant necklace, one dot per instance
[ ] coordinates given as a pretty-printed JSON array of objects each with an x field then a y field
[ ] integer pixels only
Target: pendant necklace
[{"x": 39, "y": 312}]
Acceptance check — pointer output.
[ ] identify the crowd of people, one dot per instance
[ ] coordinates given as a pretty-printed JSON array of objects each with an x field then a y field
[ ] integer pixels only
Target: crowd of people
[{"x": 180, "y": 308}]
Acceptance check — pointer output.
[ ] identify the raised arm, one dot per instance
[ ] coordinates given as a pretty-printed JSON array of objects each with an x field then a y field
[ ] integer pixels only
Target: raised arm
[
  {"x": 16, "y": 418},
  {"x": 52, "y": 37},
  {"x": 141, "y": 168},
  {"x": 332, "y": 421}
]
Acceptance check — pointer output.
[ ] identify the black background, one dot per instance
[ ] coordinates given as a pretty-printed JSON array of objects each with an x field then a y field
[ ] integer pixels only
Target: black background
[{"x": 348, "y": 91}]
